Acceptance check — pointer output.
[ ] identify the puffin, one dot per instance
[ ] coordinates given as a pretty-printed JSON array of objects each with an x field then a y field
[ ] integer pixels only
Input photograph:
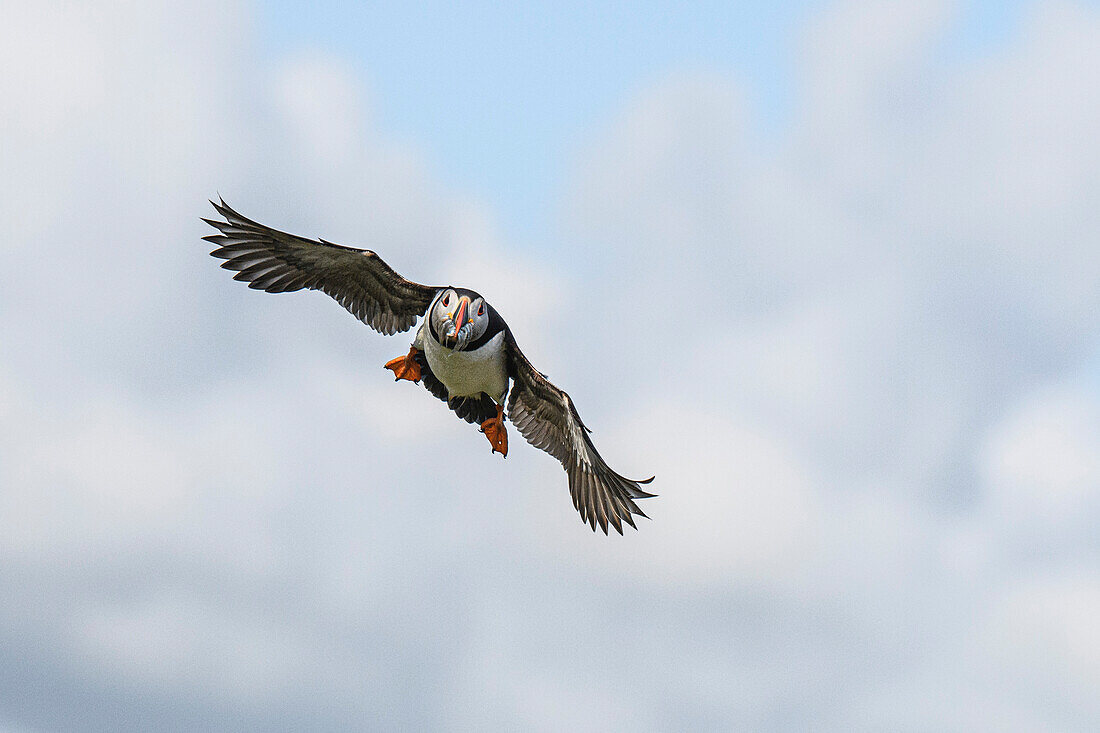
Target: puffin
[{"x": 463, "y": 353}]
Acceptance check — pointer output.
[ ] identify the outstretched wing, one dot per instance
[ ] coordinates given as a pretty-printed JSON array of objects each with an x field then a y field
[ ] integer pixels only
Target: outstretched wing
[
  {"x": 547, "y": 418},
  {"x": 357, "y": 279}
]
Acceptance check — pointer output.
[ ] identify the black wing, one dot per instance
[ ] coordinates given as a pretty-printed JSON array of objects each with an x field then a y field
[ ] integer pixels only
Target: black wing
[
  {"x": 547, "y": 418},
  {"x": 357, "y": 279}
]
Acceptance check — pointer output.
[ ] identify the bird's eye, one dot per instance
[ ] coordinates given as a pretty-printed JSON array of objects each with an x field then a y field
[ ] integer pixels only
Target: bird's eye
[
  {"x": 446, "y": 300},
  {"x": 481, "y": 310}
]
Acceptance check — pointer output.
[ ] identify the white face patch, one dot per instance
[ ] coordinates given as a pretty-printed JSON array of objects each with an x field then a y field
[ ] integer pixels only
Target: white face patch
[
  {"x": 443, "y": 311},
  {"x": 448, "y": 304}
]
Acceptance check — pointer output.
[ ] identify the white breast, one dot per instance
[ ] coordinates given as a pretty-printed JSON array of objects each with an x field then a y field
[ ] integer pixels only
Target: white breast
[{"x": 469, "y": 373}]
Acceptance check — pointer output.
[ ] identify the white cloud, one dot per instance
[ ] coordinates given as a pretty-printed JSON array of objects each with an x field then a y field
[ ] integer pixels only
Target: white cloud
[
  {"x": 1041, "y": 464},
  {"x": 827, "y": 351},
  {"x": 895, "y": 292},
  {"x": 103, "y": 474},
  {"x": 1043, "y": 634},
  {"x": 164, "y": 641},
  {"x": 322, "y": 105},
  {"x": 878, "y": 312},
  {"x": 734, "y": 502}
]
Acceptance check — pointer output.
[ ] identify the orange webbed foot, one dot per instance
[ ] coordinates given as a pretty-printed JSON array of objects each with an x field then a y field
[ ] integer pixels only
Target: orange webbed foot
[
  {"x": 495, "y": 432},
  {"x": 405, "y": 367}
]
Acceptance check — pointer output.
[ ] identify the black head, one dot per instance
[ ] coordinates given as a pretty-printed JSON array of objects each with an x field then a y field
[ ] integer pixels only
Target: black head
[{"x": 459, "y": 318}]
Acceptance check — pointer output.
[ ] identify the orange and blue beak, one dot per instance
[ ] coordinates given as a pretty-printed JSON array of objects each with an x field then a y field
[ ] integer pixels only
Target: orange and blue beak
[{"x": 460, "y": 316}]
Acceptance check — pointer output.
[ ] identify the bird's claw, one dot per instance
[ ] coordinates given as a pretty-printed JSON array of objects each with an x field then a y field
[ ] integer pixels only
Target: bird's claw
[
  {"x": 494, "y": 430},
  {"x": 405, "y": 367}
]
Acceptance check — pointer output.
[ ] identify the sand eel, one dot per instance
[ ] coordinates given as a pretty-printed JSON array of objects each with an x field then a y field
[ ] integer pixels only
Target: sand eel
[{"x": 464, "y": 352}]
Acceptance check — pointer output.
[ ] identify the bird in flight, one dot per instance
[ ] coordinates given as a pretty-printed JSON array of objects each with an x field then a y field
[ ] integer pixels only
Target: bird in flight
[{"x": 463, "y": 352}]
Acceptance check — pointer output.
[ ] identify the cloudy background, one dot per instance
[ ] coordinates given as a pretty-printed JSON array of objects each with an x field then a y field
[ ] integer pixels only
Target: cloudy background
[{"x": 830, "y": 270}]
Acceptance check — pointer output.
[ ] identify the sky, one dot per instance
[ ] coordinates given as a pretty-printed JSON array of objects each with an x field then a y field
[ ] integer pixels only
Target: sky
[{"x": 829, "y": 270}]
